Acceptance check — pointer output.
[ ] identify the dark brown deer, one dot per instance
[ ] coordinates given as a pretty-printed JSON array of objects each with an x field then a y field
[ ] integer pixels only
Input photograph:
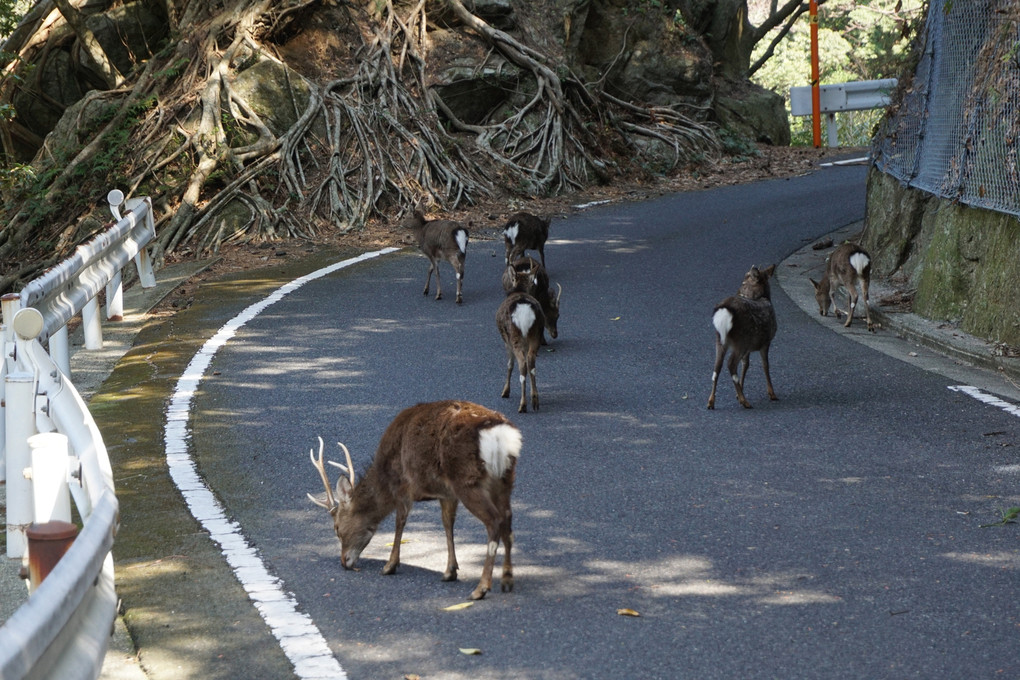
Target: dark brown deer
[
  {"x": 440, "y": 239},
  {"x": 520, "y": 322},
  {"x": 745, "y": 323},
  {"x": 524, "y": 231},
  {"x": 527, "y": 275},
  {"x": 450, "y": 451},
  {"x": 846, "y": 266}
]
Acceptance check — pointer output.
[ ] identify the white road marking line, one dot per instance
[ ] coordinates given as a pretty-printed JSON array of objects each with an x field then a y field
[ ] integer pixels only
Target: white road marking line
[
  {"x": 298, "y": 636},
  {"x": 986, "y": 398}
]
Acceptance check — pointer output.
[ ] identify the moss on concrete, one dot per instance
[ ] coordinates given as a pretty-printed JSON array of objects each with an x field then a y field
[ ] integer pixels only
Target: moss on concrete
[{"x": 965, "y": 262}]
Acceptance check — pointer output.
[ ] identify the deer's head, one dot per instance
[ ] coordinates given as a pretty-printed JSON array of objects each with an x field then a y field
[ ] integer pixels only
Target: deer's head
[{"x": 353, "y": 529}]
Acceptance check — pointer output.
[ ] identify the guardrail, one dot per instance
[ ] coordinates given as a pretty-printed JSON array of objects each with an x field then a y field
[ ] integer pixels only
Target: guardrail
[
  {"x": 52, "y": 451},
  {"x": 858, "y": 95}
]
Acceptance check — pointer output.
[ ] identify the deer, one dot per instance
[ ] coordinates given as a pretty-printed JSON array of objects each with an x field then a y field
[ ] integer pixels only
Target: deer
[
  {"x": 450, "y": 451},
  {"x": 440, "y": 239},
  {"x": 745, "y": 323},
  {"x": 520, "y": 322},
  {"x": 527, "y": 275},
  {"x": 848, "y": 265},
  {"x": 524, "y": 231}
]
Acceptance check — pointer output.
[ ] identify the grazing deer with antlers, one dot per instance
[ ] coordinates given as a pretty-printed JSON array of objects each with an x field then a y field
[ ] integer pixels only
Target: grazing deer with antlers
[
  {"x": 453, "y": 451},
  {"x": 526, "y": 275},
  {"x": 745, "y": 323},
  {"x": 520, "y": 321},
  {"x": 524, "y": 231},
  {"x": 846, "y": 266},
  {"x": 440, "y": 239}
]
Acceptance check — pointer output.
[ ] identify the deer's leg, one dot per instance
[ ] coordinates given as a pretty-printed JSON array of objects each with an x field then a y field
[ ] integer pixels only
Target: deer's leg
[
  {"x": 509, "y": 373},
  {"x": 738, "y": 383},
  {"x": 449, "y": 509},
  {"x": 506, "y": 534},
  {"x": 439, "y": 285},
  {"x": 481, "y": 506},
  {"x": 764, "y": 351},
  {"x": 522, "y": 367},
  {"x": 865, "y": 283},
  {"x": 851, "y": 299},
  {"x": 534, "y": 385},
  {"x": 428, "y": 277},
  {"x": 403, "y": 509},
  {"x": 720, "y": 353},
  {"x": 458, "y": 267}
]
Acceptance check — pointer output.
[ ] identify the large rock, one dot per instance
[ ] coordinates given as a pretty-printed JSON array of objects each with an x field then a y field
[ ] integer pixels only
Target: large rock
[{"x": 750, "y": 111}]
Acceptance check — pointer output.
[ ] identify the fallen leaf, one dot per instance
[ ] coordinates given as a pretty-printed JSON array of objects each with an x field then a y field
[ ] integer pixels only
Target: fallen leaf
[
  {"x": 412, "y": 676},
  {"x": 457, "y": 607},
  {"x": 402, "y": 542},
  {"x": 627, "y": 612},
  {"x": 615, "y": 318},
  {"x": 470, "y": 651}
]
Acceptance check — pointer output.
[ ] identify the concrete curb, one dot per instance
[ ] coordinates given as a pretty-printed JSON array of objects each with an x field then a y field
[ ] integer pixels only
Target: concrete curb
[{"x": 945, "y": 339}]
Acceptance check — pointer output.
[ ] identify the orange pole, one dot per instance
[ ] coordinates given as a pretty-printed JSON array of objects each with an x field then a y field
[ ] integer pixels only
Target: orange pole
[{"x": 816, "y": 103}]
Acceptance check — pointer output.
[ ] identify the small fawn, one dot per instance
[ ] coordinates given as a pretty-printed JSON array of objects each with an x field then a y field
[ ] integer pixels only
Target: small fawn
[
  {"x": 440, "y": 239},
  {"x": 450, "y": 451},
  {"x": 846, "y": 266},
  {"x": 520, "y": 321},
  {"x": 524, "y": 231},
  {"x": 745, "y": 323}
]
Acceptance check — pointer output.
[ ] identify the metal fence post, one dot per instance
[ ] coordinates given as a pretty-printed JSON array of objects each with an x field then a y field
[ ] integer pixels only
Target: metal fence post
[
  {"x": 60, "y": 350},
  {"x": 19, "y": 392},
  {"x": 91, "y": 325},
  {"x": 52, "y": 500}
]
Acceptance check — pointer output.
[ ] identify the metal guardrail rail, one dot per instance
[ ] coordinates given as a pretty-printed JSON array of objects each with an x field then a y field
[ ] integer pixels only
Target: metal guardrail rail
[
  {"x": 858, "y": 95},
  {"x": 51, "y": 449}
]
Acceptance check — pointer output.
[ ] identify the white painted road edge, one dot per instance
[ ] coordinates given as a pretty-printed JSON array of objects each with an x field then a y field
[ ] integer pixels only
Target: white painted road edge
[
  {"x": 298, "y": 636},
  {"x": 986, "y": 398}
]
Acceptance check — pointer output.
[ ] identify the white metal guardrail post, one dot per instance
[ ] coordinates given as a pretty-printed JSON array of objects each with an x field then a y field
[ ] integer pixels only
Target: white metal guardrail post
[
  {"x": 46, "y": 430},
  {"x": 50, "y": 495},
  {"x": 858, "y": 95}
]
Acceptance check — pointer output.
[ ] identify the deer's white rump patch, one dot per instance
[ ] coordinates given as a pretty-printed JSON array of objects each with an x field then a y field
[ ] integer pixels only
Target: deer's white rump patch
[
  {"x": 723, "y": 322},
  {"x": 523, "y": 317},
  {"x": 497, "y": 445},
  {"x": 859, "y": 261}
]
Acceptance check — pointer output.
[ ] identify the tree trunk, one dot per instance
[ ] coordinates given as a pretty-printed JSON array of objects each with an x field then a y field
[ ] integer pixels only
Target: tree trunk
[
  {"x": 728, "y": 32},
  {"x": 107, "y": 71}
]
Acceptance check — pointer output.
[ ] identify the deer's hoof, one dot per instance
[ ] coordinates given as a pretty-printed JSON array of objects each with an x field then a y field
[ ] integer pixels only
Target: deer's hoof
[
  {"x": 450, "y": 576},
  {"x": 389, "y": 569},
  {"x": 506, "y": 584},
  {"x": 523, "y": 408}
]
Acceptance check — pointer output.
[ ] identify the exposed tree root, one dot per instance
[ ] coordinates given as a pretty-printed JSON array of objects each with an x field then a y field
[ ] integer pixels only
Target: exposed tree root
[{"x": 369, "y": 144}]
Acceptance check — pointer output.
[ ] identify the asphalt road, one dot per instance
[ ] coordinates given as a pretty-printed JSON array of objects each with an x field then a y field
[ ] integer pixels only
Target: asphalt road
[{"x": 831, "y": 534}]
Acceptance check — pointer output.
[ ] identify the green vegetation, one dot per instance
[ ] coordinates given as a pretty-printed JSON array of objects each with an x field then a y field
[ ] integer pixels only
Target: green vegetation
[{"x": 857, "y": 40}]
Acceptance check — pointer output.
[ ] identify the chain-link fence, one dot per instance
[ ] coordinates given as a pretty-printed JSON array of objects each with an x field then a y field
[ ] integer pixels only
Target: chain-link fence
[{"x": 953, "y": 130}]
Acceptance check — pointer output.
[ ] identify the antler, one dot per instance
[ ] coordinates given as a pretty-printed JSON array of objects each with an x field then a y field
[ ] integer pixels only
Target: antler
[
  {"x": 349, "y": 469},
  {"x": 330, "y": 500}
]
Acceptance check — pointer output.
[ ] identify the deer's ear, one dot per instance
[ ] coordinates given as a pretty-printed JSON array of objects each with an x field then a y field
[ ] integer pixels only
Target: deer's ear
[
  {"x": 343, "y": 490},
  {"x": 769, "y": 271}
]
